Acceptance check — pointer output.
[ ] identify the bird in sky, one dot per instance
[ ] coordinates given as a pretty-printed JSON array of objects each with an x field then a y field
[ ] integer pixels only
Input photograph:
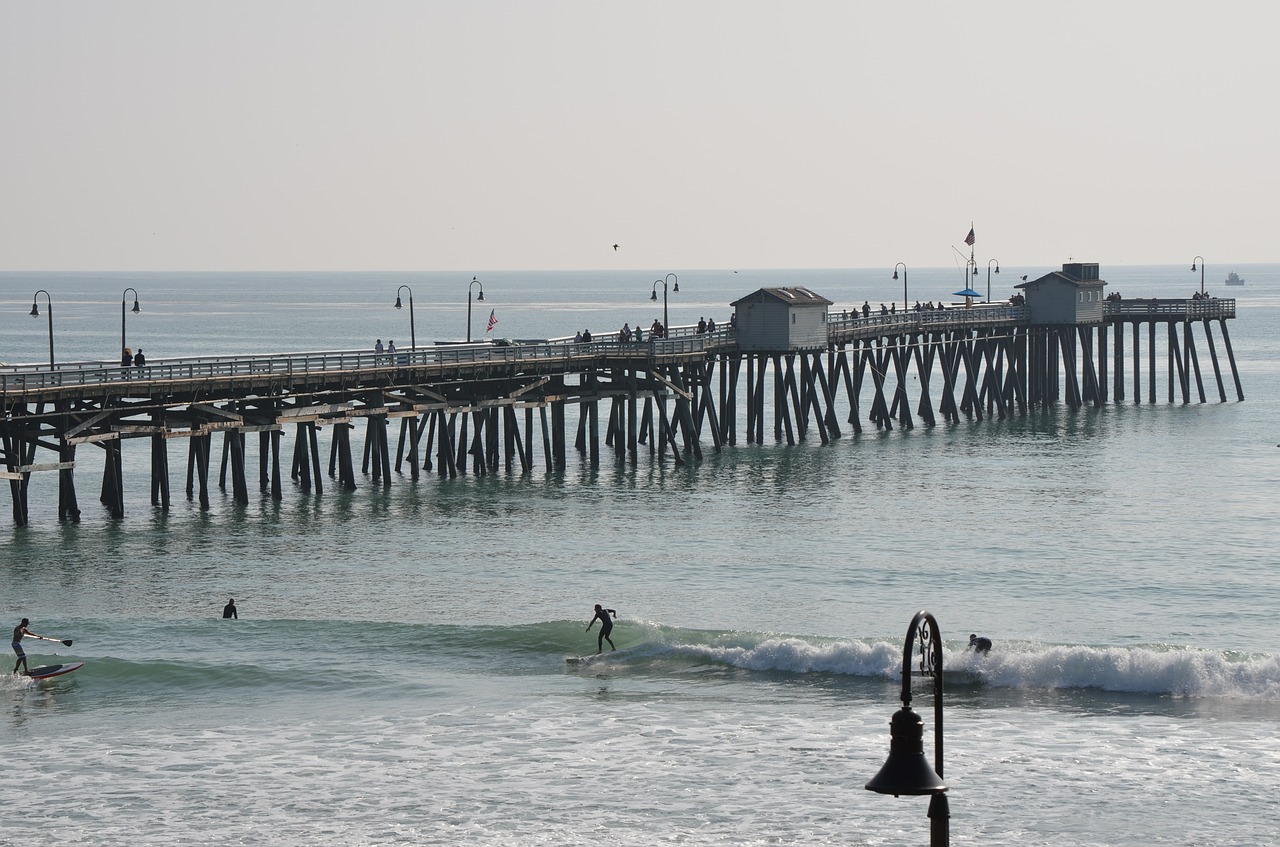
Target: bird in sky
[{"x": 615, "y": 248}]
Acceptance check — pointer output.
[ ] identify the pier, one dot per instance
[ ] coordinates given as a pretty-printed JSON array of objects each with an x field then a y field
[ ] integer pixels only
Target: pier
[{"x": 458, "y": 409}]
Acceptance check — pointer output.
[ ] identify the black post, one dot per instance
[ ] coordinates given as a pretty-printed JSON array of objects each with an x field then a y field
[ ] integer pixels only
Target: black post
[{"x": 907, "y": 771}]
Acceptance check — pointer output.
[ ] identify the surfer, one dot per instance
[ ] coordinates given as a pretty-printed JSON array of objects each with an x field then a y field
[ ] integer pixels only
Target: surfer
[
  {"x": 19, "y": 632},
  {"x": 606, "y": 627},
  {"x": 979, "y": 645},
  {"x": 229, "y": 610}
]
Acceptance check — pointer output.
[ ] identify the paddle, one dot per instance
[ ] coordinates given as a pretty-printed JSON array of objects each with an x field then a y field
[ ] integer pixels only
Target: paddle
[{"x": 55, "y": 640}]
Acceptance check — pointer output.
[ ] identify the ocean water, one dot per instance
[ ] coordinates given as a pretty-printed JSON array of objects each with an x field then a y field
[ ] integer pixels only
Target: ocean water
[{"x": 398, "y": 672}]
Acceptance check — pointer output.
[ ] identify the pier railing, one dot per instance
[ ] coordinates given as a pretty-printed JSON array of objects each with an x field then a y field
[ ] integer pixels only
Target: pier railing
[
  {"x": 682, "y": 341},
  {"x": 1210, "y": 309},
  {"x": 679, "y": 342}
]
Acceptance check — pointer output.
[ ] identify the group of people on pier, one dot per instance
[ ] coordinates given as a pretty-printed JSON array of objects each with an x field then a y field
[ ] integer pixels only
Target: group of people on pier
[{"x": 129, "y": 358}]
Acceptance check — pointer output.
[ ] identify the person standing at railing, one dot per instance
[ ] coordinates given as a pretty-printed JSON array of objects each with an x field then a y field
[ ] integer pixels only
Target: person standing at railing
[
  {"x": 866, "y": 308},
  {"x": 711, "y": 324},
  {"x": 126, "y": 361},
  {"x": 586, "y": 336},
  {"x": 639, "y": 334},
  {"x": 139, "y": 360}
]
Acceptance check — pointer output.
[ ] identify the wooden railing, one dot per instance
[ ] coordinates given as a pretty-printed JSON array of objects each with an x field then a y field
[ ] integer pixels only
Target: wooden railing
[{"x": 1212, "y": 308}]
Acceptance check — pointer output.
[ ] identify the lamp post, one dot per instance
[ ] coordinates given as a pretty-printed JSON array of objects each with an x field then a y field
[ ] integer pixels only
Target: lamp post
[
  {"x": 480, "y": 297},
  {"x": 666, "y": 325},
  {"x": 413, "y": 334},
  {"x": 1193, "y": 267},
  {"x": 990, "y": 262},
  {"x": 904, "y": 282},
  {"x": 123, "y": 298},
  {"x": 35, "y": 313},
  {"x": 907, "y": 771}
]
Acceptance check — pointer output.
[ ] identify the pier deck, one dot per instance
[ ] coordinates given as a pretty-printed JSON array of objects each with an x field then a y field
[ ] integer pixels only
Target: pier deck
[{"x": 670, "y": 394}]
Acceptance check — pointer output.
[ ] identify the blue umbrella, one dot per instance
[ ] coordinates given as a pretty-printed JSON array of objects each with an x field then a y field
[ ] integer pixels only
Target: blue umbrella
[{"x": 968, "y": 292}]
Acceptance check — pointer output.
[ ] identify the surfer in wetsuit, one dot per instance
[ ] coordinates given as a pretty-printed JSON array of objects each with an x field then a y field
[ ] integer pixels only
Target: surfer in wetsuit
[
  {"x": 229, "y": 610},
  {"x": 978, "y": 644},
  {"x": 21, "y": 631},
  {"x": 606, "y": 627}
]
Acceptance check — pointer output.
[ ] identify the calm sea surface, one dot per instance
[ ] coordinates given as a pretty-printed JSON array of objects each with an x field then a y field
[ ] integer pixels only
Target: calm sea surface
[{"x": 398, "y": 673}]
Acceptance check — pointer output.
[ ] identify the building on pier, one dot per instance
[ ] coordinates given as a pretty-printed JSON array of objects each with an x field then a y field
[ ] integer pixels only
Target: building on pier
[
  {"x": 777, "y": 319},
  {"x": 1072, "y": 295}
]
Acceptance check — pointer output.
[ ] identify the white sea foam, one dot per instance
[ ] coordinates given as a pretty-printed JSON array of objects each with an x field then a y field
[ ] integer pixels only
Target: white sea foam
[{"x": 1181, "y": 672}]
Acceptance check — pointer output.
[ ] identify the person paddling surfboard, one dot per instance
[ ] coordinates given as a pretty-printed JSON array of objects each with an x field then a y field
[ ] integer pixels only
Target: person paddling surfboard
[
  {"x": 606, "y": 627},
  {"x": 20, "y": 632}
]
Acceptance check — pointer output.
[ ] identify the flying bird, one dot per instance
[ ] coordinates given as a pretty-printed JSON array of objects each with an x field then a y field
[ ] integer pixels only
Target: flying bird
[{"x": 615, "y": 248}]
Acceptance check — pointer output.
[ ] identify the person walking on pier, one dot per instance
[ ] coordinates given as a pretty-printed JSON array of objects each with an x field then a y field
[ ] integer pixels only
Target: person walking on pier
[
  {"x": 229, "y": 610},
  {"x": 606, "y": 627}
]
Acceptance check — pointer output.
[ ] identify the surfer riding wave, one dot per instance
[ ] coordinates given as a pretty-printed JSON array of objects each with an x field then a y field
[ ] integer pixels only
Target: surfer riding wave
[{"x": 606, "y": 627}]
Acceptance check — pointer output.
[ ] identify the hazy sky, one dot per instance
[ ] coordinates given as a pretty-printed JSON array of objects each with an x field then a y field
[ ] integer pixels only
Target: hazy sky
[{"x": 487, "y": 134}]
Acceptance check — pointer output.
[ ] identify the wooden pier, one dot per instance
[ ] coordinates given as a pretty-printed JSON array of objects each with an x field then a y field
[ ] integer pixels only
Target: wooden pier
[{"x": 488, "y": 408}]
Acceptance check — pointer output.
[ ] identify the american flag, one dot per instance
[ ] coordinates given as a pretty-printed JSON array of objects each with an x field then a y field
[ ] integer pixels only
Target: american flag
[
  {"x": 493, "y": 320},
  {"x": 969, "y": 239}
]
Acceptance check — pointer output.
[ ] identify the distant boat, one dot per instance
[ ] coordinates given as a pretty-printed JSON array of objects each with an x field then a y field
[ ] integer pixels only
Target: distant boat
[{"x": 1233, "y": 278}]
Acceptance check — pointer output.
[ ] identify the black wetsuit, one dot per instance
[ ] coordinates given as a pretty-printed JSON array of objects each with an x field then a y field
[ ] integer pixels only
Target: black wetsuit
[{"x": 606, "y": 627}]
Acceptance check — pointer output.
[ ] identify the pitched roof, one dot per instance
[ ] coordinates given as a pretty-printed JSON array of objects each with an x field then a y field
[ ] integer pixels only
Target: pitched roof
[
  {"x": 797, "y": 296},
  {"x": 1059, "y": 276}
]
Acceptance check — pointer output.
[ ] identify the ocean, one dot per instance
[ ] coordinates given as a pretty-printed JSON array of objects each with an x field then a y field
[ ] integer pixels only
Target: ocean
[{"x": 397, "y": 674}]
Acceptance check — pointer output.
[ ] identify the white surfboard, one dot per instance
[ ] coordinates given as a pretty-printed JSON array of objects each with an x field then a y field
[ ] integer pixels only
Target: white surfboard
[{"x": 50, "y": 671}]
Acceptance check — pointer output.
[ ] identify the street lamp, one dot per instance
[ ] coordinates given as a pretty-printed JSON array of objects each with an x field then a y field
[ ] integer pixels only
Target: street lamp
[
  {"x": 904, "y": 282},
  {"x": 1193, "y": 267},
  {"x": 413, "y": 335},
  {"x": 666, "y": 325},
  {"x": 35, "y": 313},
  {"x": 480, "y": 297},
  {"x": 124, "y": 297},
  {"x": 989, "y": 263},
  {"x": 907, "y": 771}
]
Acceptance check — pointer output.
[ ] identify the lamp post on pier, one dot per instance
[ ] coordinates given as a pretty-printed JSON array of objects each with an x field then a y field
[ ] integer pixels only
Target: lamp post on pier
[
  {"x": 413, "y": 334},
  {"x": 123, "y": 298},
  {"x": 1193, "y": 267},
  {"x": 480, "y": 297},
  {"x": 35, "y": 313},
  {"x": 666, "y": 325},
  {"x": 907, "y": 771},
  {"x": 990, "y": 262},
  {"x": 904, "y": 282}
]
